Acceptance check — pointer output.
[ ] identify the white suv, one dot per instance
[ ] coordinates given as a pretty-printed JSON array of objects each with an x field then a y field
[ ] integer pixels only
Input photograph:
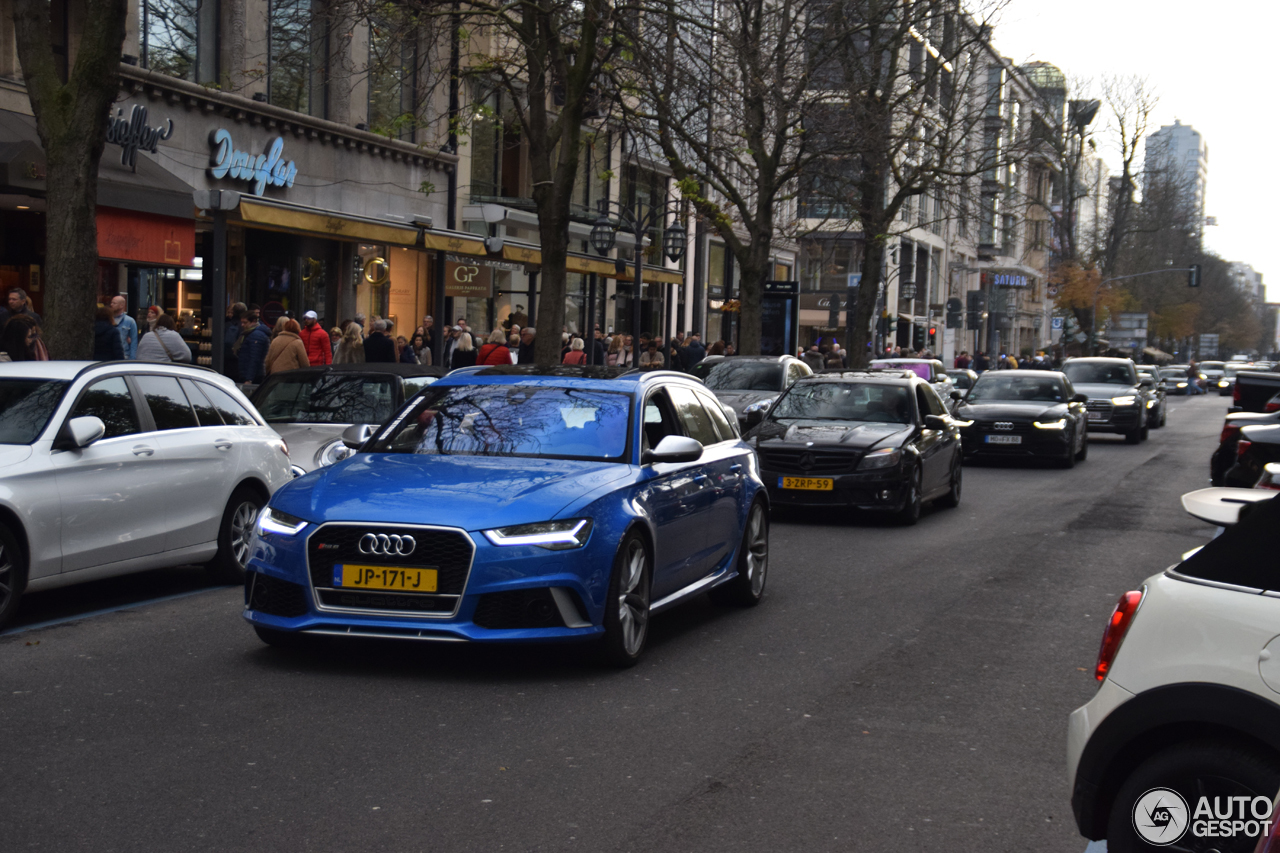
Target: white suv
[
  {"x": 116, "y": 467},
  {"x": 1181, "y": 745}
]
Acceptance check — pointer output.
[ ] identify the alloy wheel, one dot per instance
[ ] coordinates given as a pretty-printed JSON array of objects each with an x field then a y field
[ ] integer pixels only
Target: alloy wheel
[
  {"x": 633, "y": 599},
  {"x": 242, "y": 522},
  {"x": 8, "y": 577},
  {"x": 757, "y": 549}
]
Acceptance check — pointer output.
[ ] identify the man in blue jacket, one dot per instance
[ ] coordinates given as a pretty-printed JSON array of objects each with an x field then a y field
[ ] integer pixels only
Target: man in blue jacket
[{"x": 252, "y": 357}]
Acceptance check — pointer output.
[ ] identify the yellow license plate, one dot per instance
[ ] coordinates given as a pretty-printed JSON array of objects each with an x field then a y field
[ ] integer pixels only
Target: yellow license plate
[
  {"x": 398, "y": 578},
  {"x": 812, "y": 484}
]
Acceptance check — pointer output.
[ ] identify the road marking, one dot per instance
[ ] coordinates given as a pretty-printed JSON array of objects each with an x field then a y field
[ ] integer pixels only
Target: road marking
[{"x": 91, "y": 614}]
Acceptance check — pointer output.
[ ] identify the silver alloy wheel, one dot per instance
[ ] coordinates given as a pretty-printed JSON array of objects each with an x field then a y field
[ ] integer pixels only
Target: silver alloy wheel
[
  {"x": 757, "y": 549},
  {"x": 633, "y": 599},
  {"x": 242, "y": 521}
]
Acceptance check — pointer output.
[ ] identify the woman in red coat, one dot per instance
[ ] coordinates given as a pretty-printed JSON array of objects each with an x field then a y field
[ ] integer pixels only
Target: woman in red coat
[
  {"x": 576, "y": 355},
  {"x": 495, "y": 352}
]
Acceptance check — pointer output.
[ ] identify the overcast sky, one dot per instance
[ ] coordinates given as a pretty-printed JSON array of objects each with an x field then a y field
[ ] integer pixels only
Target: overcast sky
[{"x": 1210, "y": 66}]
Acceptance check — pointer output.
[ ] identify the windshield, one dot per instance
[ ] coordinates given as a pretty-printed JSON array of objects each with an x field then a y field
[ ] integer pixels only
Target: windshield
[
  {"x": 1231, "y": 370},
  {"x": 740, "y": 375},
  {"x": 961, "y": 379},
  {"x": 330, "y": 398},
  {"x": 1099, "y": 373},
  {"x": 513, "y": 420},
  {"x": 1007, "y": 385},
  {"x": 1215, "y": 366},
  {"x": 26, "y": 406},
  {"x": 845, "y": 401}
]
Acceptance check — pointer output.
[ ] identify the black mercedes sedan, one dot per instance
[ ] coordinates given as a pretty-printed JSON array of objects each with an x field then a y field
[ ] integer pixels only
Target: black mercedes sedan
[
  {"x": 875, "y": 440},
  {"x": 1025, "y": 413}
]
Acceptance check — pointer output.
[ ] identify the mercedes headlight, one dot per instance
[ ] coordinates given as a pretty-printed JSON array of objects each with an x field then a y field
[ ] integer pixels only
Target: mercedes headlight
[
  {"x": 885, "y": 457},
  {"x": 1060, "y": 423},
  {"x": 1127, "y": 400},
  {"x": 333, "y": 453},
  {"x": 552, "y": 535},
  {"x": 760, "y": 405},
  {"x": 1151, "y": 404},
  {"x": 272, "y": 520}
]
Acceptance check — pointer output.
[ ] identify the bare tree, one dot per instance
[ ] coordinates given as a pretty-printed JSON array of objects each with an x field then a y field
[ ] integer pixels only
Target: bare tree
[{"x": 71, "y": 118}]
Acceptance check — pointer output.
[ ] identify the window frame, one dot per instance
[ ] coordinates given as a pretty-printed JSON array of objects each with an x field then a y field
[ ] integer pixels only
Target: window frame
[{"x": 138, "y": 410}]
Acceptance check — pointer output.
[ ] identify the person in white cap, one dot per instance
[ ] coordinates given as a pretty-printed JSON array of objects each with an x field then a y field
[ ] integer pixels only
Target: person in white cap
[{"x": 316, "y": 339}]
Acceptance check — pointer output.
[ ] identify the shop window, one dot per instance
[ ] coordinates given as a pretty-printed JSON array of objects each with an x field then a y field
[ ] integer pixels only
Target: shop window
[
  {"x": 298, "y": 56},
  {"x": 177, "y": 38},
  {"x": 392, "y": 61}
]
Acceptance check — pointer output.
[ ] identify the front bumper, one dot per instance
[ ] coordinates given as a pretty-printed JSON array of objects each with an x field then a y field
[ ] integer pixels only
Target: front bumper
[
  {"x": 884, "y": 491},
  {"x": 1118, "y": 420},
  {"x": 510, "y": 594},
  {"x": 982, "y": 439}
]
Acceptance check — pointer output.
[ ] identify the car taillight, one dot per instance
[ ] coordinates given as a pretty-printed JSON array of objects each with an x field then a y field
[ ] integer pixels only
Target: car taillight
[
  {"x": 1235, "y": 394},
  {"x": 1117, "y": 625},
  {"x": 1272, "y": 406},
  {"x": 1229, "y": 431},
  {"x": 1242, "y": 447}
]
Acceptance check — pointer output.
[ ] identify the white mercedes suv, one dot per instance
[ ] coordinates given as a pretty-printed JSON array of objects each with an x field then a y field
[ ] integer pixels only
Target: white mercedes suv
[
  {"x": 115, "y": 467},
  {"x": 1180, "y": 748}
]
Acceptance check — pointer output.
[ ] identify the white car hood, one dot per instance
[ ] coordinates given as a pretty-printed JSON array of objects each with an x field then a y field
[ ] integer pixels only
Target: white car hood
[{"x": 12, "y": 454}]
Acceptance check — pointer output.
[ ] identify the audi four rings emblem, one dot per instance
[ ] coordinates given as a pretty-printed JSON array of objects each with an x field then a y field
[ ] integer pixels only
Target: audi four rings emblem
[{"x": 387, "y": 546}]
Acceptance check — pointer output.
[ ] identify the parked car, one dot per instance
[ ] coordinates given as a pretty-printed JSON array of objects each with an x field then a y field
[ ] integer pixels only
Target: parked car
[
  {"x": 1187, "y": 702},
  {"x": 1253, "y": 390},
  {"x": 1025, "y": 413},
  {"x": 1117, "y": 402},
  {"x": 311, "y": 407},
  {"x": 1225, "y": 456},
  {"x": 1227, "y": 381},
  {"x": 1213, "y": 372},
  {"x": 116, "y": 467},
  {"x": 749, "y": 384},
  {"x": 518, "y": 504},
  {"x": 1257, "y": 446},
  {"x": 880, "y": 441},
  {"x": 1157, "y": 395}
]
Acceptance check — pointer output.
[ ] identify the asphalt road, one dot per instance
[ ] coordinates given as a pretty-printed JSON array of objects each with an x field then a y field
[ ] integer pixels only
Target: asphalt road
[{"x": 899, "y": 689}]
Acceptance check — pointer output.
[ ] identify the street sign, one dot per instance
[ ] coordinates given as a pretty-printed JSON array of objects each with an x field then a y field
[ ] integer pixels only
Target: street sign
[
  {"x": 1057, "y": 324},
  {"x": 855, "y": 279}
]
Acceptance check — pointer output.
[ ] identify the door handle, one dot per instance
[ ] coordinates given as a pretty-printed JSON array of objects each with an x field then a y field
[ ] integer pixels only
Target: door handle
[
  {"x": 143, "y": 450},
  {"x": 222, "y": 444}
]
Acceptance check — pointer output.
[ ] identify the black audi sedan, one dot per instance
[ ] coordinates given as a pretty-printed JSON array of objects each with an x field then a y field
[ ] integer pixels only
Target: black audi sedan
[
  {"x": 1024, "y": 413},
  {"x": 870, "y": 440}
]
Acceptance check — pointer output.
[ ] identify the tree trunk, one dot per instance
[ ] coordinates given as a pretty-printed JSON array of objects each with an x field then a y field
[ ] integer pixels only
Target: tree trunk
[
  {"x": 864, "y": 308},
  {"x": 71, "y": 120},
  {"x": 753, "y": 260}
]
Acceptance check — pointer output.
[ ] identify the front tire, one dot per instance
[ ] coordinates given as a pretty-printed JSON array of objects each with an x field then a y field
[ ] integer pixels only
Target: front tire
[
  {"x": 951, "y": 499},
  {"x": 13, "y": 574},
  {"x": 1193, "y": 770},
  {"x": 626, "y": 613},
  {"x": 234, "y": 536},
  {"x": 910, "y": 512},
  {"x": 1069, "y": 461},
  {"x": 747, "y": 588},
  {"x": 1084, "y": 446},
  {"x": 1134, "y": 436}
]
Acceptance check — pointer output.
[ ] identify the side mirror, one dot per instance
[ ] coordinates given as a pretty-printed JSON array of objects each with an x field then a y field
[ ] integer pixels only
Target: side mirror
[
  {"x": 957, "y": 395},
  {"x": 1147, "y": 382},
  {"x": 356, "y": 435},
  {"x": 935, "y": 422},
  {"x": 754, "y": 418},
  {"x": 1079, "y": 398},
  {"x": 673, "y": 448},
  {"x": 82, "y": 432}
]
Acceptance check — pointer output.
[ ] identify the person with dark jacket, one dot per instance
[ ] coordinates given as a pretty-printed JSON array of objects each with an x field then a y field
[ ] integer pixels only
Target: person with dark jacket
[
  {"x": 252, "y": 355},
  {"x": 692, "y": 352},
  {"x": 464, "y": 352},
  {"x": 230, "y": 338},
  {"x": 981, "y": 363},
  {"x": 107, "y": 343},
  {"x": 378, "y": 347},
  {"x": 525, "y": 353}
]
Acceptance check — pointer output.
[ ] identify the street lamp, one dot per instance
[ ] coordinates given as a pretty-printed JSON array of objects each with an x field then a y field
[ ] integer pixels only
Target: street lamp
[{"x": 604, "y": 235}]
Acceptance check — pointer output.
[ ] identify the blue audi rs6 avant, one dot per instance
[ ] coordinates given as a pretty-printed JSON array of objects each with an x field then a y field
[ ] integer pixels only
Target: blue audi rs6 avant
[{"x": 519, "y": 504}]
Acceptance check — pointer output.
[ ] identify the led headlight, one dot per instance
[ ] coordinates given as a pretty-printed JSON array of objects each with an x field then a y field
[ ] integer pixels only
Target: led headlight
[
  {"x": 760, "y": 405},
  {"x": 1127, "y": 400},
  {"x": 332, "y": 454},
  {"x": 1060, "y": 423},
  {"x": 552, "y": 535},
  {"x": 1182, "y": 385},
  {"x": 1223, "y": 383},
  {"x": 1151, "y": 404},
  {"x": 885, "y": 457},
  {"x": 272, "y": 520}
]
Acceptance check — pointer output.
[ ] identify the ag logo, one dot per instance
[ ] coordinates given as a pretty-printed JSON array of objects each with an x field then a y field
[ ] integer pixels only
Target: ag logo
[{"x": 1160, "y": 817}]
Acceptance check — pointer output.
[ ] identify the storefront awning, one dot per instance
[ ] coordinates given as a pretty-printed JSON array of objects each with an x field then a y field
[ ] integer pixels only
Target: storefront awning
[
  {"x": 280, "y": 216},
  {"x": 600, "y": 266},
  {"x": 150, "y": 189}
]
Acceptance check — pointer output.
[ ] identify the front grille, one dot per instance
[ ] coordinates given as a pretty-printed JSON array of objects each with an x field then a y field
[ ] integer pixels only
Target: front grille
[
  {"x": 518, "y": 608},
  {"x": 275, "y": 597},
  {"x": 806, "y": 462},
  {"x": 448, "y": 551},
  {"x": 1103, "y": 406},
  {"x": 1004, "y": 427}
]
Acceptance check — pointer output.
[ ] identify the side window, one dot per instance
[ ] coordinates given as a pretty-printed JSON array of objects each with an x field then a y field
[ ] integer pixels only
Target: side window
[
  {"x": 795, "y": 372},
  {"x": 933, "y": 403},
  {"x": 205, "y": 412},
  {"x": 727, "y": 429},
  {"x": 232, "y": 412},
  {"x": 110, "y": 400},
  {"x": 696, "y": 420},
  {"x": 169, "y": 406},
  {"x": 659, "y": 421}
]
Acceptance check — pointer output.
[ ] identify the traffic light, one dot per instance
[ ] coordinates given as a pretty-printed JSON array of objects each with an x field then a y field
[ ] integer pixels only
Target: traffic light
[
  {"x": 933, "y": 335},
  {"x": 977, "y": 304},
  {"x": 893, "y": 324},
  {"x": 1193, "y": 276},
  {"x": 917, "y": 336},
  {"x": 955, "y": 313}
]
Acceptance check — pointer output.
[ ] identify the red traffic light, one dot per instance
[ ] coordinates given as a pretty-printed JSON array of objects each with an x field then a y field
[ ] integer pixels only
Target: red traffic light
[{"x": 932, "y": 330}]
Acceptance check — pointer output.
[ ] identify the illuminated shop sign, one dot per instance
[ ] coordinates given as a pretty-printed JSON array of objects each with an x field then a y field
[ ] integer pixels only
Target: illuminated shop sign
[
  {"x": 260, "y": 170},
  {"x": 1008, "y": 279}
]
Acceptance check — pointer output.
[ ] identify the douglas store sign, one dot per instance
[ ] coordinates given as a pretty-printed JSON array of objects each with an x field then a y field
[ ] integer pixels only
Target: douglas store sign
[{"x": 260, "y": 170}]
